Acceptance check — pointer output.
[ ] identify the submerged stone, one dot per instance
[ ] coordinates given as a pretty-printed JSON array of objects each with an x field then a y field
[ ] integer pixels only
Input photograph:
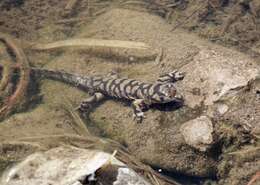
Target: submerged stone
[
  {"x": 70, "y": 166},
  {"x": 198, "y": 133}
]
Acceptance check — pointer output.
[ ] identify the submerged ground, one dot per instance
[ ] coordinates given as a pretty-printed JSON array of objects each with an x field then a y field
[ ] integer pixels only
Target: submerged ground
[{"x": 220, "y": 76}]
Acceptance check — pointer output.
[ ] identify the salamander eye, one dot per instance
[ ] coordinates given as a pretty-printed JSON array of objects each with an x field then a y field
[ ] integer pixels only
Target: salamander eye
[{"x": 161, "y": 99}]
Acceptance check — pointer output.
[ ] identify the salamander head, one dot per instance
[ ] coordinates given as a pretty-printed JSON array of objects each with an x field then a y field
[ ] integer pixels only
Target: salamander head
[{"x": 166, "y": 93}]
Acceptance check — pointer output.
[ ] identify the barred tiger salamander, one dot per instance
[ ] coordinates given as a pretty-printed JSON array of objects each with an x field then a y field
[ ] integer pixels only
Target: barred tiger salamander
[{"x": 140, "y": 93}]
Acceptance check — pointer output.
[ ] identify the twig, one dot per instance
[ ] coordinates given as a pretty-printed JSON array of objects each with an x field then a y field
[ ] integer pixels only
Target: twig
[
  {"x": 159, "y": 57},
  {"x": 155, "y": 180},
  {"x": 245, "y": 151},
  {"x": 70, "y": 5},
  {"x": 187, "y": 18},
  {"x": 254, "y": 178},
  {"x": 22, "y": 63},
  {"x": 71, "y": 20},
  {"x": 99, "y": 12},
  {"x": 134, "y": 2},
  {"x": 91, "y": 43},
  {"x": 172, "y": 5},
  {"x": 89, "y": 7},
  {"x": 236, "y": 12},
  {"x": 58, "y": 136},
  {"x": 82, "y": 129},
  {"x": 7, "y": 72},
  {"x": 115, "y": 50}
]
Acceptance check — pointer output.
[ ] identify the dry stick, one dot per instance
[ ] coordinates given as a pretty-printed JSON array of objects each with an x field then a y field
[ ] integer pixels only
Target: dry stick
[
  {"x": 88, "y": 43},
  {"x": 82, "y": 129},
  {"x": 71, "y": 20},
  {"x": 89, "y": 141},
  {"x": 254, "y": 178},
  {"x": 79, "y": 123},
  {"x": 21, "y": 88},
  {"x": 236, "y": 12},
  {"x": 7, "y": 72},
  {"x": 245, "y": 151},
  {"x": 89, "y": 7},
  {"x": 147, "y": 6},
  {"x": 85, "y": 18},
  {"x": 159, "y": 57},
  {"x": 70, "y": 5},
  {"x": 187, "y": 18},
  {"x": 134, "y": 3},
  {"x": 59, "y": 136},
  {"x": 126, "y": 50},
  {"x": 172, "y": 5},
  {"x": 89, "y": 138},
  {"x": 99, "y": 12}
]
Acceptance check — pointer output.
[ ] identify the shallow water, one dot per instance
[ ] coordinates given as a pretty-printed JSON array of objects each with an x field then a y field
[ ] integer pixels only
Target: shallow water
[{"x": 47, "y": 108}]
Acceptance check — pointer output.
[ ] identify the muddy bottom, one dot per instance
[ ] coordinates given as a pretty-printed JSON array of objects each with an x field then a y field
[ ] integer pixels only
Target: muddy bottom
[{"x": 49, "y": 107}]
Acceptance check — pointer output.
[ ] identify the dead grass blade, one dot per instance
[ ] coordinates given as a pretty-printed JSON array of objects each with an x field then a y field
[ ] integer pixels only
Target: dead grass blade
[
  {"x": 80, "y": 126},
  {"x": 254, "y": 178}
]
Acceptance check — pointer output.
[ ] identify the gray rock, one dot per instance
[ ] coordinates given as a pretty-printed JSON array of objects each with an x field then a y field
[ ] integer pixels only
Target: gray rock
[{"x": 198, "y": 133}]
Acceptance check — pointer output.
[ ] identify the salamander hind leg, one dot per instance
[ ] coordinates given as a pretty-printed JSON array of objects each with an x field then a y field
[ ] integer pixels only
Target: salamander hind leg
[
  {"x": 139, "y": 106},
  {"x": 89, "y": 102},
  {"x": 173, "y": 76}
]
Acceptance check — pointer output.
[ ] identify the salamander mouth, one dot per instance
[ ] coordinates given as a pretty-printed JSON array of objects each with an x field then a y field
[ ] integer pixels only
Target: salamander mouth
[{"x": 174, "y": 98}]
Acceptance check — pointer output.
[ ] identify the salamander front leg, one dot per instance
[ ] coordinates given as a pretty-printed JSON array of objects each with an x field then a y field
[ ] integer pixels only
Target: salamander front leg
[
  {"x": 88, "y": 103},
  {"x": 173, "y": 76},
  {"x": 139, "y": 106}
]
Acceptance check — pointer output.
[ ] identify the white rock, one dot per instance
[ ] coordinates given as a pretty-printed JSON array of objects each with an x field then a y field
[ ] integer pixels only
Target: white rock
[
  {"x": 218, "y": 109},
  {"x": 127, "y": 176},
  {"x": 65, "y": 166},
  {"x": 222, "y": 108},
  {"x": 218, "y": 73},
  {"x": 198, "y": 133}
]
